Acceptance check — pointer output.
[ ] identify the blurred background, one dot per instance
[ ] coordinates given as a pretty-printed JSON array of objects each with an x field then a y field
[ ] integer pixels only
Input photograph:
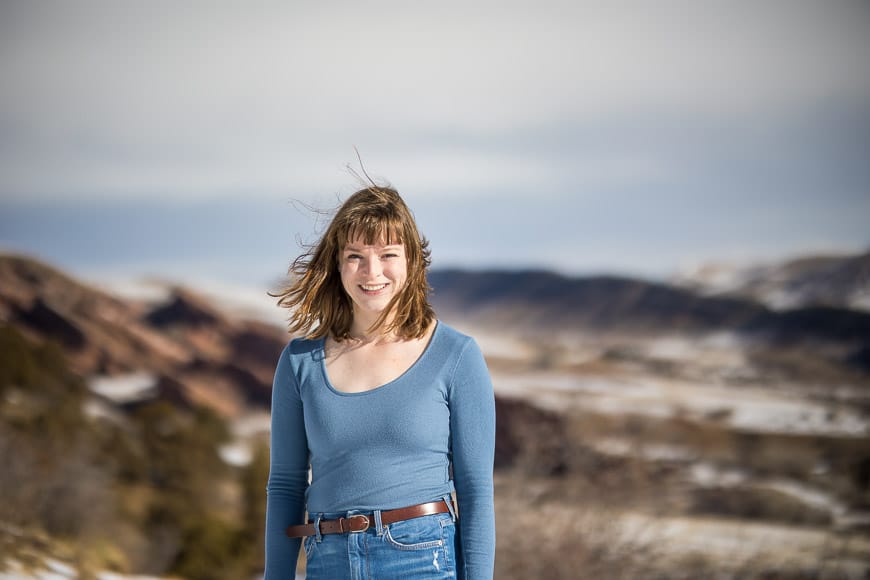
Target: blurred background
[{"x": 652, "y": 216}]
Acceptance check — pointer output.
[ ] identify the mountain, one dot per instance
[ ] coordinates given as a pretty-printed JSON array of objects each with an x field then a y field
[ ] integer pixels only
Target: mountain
[
  {"x": 541, "y": 302},
  {"x": 212, "y": 359},
  {"x": 831, "y": 281}
]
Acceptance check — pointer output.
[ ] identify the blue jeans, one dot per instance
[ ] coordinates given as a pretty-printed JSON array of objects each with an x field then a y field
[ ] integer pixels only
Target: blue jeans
[{"x": 420, "y": 548}]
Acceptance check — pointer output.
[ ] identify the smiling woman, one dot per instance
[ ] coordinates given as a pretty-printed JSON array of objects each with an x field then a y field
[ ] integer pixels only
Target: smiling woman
[{"x": 391, "y": 410}]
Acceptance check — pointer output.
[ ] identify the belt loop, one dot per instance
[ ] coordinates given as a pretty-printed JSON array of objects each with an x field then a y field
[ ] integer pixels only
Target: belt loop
[
  {"x": 379, "y": 526},
  {"x": 448, "y": 499},
  {"x": 317, "y": 535}
]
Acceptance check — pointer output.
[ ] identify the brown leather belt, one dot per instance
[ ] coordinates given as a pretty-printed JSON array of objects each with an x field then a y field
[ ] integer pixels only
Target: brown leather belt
[{"x": 360, "y": 522}]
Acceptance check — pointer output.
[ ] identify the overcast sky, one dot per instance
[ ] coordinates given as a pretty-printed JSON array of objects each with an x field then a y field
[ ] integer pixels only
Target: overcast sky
[{"x": 625, "y": 137}]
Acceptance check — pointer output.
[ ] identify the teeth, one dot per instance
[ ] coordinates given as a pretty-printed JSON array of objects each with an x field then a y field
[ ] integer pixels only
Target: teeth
[{"x": 373, "y": 288}]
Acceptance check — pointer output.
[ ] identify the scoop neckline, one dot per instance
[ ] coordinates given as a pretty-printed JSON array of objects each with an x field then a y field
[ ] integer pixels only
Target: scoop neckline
[{"x": 407, "y": 371}]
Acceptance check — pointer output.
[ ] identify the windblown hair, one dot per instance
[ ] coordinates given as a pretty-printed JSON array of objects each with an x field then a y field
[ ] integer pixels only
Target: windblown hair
[{"x": 315, "y": 296}]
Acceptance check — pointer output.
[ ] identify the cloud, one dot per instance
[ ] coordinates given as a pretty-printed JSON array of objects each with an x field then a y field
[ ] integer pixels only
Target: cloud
[{"x": 104, "y": 100}]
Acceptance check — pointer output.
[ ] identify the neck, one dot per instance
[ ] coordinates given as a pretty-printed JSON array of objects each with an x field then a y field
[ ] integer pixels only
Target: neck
[{"x": 360, "y": 329}]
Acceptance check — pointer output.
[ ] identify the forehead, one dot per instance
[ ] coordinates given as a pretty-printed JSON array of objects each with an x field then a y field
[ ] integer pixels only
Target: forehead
[{"x": 376, "y": 235}]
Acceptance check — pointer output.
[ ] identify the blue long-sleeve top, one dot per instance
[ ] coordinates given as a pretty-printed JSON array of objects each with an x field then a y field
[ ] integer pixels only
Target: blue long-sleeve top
[{"x": 385, "y": 448}]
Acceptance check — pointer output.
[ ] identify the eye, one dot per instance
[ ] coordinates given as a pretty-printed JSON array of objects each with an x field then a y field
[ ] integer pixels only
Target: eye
[{"x": 354, "y": 257}]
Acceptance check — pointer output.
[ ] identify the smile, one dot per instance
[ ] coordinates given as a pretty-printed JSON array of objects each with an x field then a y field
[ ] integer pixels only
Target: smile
[{"x": 373, "y": 287}]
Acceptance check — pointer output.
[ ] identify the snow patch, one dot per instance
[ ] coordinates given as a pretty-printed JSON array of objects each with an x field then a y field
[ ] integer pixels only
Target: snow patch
[
  {"x": 654, "y": 452},
  {"x": 114, "y": 576},
  {"x": 237, "y": 454},
  {"x": 144, "y": 289},
  {"x": 127, "y": 388},
  {"x": 860, "y": 299},
  {"x": 251, "y": 424},
  {"x": 55, "y": 570}
]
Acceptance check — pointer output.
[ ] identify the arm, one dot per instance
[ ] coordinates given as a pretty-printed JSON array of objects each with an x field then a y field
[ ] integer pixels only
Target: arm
[
  {"x": 288, "y": 474},
  {"x": 472, "y": 433}
]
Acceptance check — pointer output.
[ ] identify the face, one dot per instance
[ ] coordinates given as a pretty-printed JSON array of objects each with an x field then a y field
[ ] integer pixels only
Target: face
[{"x": 372, "y": 274}]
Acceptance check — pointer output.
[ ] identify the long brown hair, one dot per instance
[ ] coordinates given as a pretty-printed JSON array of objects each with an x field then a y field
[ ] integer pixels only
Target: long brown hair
[{"x": 315, "y": 296}]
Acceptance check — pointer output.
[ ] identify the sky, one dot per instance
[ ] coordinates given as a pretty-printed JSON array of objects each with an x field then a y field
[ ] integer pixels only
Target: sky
[{"x": 189, "y": 139}]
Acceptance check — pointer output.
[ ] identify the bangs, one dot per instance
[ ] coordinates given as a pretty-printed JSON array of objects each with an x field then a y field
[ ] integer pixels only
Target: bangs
[{"x": 373, "y": 229}]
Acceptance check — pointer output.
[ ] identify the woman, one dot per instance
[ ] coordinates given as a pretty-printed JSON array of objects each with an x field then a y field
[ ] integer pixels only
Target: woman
[{"x": 384, "y": 403}]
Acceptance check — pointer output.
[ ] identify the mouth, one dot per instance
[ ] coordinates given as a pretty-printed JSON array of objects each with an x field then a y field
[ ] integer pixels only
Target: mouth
[{"x": 372, "y": 288}]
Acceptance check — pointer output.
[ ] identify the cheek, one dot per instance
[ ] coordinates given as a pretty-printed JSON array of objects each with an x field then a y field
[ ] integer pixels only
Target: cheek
[
  {"x": 346, "y": 272},
  {"x": 399, "y": 272}
]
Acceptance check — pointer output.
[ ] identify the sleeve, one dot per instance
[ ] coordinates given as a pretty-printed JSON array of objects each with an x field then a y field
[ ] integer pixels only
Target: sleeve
[
  {"x": 472, "y": 433},
  {"x": 288, "y": 473}
]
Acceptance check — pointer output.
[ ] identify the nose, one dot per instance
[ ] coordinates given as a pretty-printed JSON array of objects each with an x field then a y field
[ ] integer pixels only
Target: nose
[{"x": 373, "y": 267}]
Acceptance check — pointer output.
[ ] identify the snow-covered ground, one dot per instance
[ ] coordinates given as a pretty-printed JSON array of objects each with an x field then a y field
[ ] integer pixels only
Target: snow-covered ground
[
  {"x": 767, "y": 410},
  {"x": 738, "y": 543},
  {"x": 706, "y": 474}
]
